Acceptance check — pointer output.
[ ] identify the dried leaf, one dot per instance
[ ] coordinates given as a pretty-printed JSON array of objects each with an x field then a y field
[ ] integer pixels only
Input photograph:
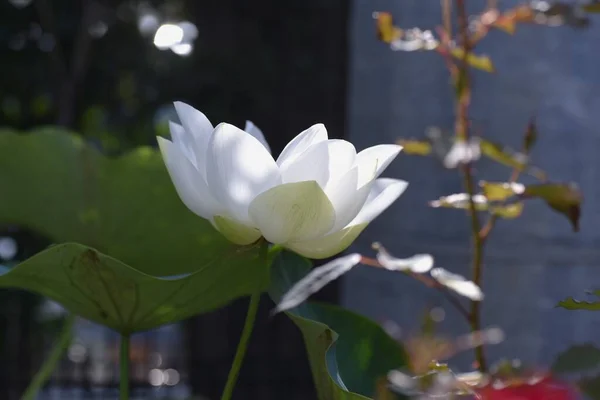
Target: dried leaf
[
  {"x": 386, "y": 31},
  {"x": 483, "y": 63},
  {"x": 505, "y": 23},
  {"x": 565, "y": 198}
]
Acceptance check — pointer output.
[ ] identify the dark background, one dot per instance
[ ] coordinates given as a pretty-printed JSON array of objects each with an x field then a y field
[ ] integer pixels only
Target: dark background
[{"x": 84, "y": 64}]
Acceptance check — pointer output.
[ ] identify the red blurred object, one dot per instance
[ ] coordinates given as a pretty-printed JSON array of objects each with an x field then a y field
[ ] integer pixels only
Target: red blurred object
[{"x": 541, "y": 388}]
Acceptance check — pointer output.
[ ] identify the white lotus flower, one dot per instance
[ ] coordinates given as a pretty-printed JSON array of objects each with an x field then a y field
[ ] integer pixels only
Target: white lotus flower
[{"x": 315, "y": 199}]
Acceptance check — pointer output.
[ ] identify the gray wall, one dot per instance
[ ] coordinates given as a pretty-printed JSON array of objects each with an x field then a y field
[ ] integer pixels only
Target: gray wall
[{"x": 531, "y": 263}]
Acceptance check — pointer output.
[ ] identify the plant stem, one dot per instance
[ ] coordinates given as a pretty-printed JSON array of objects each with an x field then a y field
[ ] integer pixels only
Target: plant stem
[
  {"x": 48, "y": 367},
  {"x": 462, "y": 132},
  {"x": 246, "y": 333},
  {"x": 124, "y": 368}
]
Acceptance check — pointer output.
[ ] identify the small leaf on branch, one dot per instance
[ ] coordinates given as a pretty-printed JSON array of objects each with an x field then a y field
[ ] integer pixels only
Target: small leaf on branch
[
  {"x": 505, "y": 23},
  {"x": 509, "y": 211},
  {"x": 483, "y": 63},
  {"x": 510, "y": 158},
  {"x": 565, "y": 198},
  {"x": 501, "y": 191},
  {"x": 571, "y": 304},
  {"x": 415, "y": 147},
  {"x": 461, "y": 201}
]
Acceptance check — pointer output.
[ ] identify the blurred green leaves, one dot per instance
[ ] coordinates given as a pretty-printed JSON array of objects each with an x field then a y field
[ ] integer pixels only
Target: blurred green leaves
[
  {"x": 125, "y": 207},
  {"x": 577, "y": 358},
  {"x": 580, "y": 359},
  {"x": 104, "y": 290},
  {"x": 348, "y": 353}
]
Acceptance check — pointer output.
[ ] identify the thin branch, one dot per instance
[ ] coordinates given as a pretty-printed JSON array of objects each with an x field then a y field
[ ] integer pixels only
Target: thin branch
[
  {"x": 429, "y": 282},
  {"x": 462, "y": 131},
  {"x": 447, "y": 16}
]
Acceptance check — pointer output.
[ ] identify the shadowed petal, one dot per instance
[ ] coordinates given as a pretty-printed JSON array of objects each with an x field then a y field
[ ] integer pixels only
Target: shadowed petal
[
  {"x": 376, "y": 158},
  {"x": 292, "y": 211},
  {"x": 188, "y": 182},
  {"x": 257, "y": 133},
  {"x": 311, "y": 136},
  {"x": 236, "y": 232},
  {"x": 329, "y": 245},
  {"x": 238, "y": 168},
  {"x": 383, "y": 193}
]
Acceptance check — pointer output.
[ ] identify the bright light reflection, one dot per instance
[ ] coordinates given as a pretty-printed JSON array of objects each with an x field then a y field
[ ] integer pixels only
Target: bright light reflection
[
  {"x": 182, "y": 49},
  {"x": 148, "y": 24},
  {"x": 20, "y": 3},
  {"x": 8, "y": 248},
  {"x": 190, "y": 31},
  {"x": 156, "y": 377},
  {"x": 168, "y": 35},
  {"x": 171, "y": 377}
]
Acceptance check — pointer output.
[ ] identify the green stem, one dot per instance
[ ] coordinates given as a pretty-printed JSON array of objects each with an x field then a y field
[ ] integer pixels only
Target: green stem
[
  {"x": 49, "y": 366},
  {"x": 124, "y": 368},
  {"x": 246, "y": 333}
]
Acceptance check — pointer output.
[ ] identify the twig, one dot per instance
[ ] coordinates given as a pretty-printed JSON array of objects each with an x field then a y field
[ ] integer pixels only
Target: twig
[
  {"x": 429, "y": 282},
  {"x": 447, "y": 16},
  {"x": 462, "y": 132}
]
